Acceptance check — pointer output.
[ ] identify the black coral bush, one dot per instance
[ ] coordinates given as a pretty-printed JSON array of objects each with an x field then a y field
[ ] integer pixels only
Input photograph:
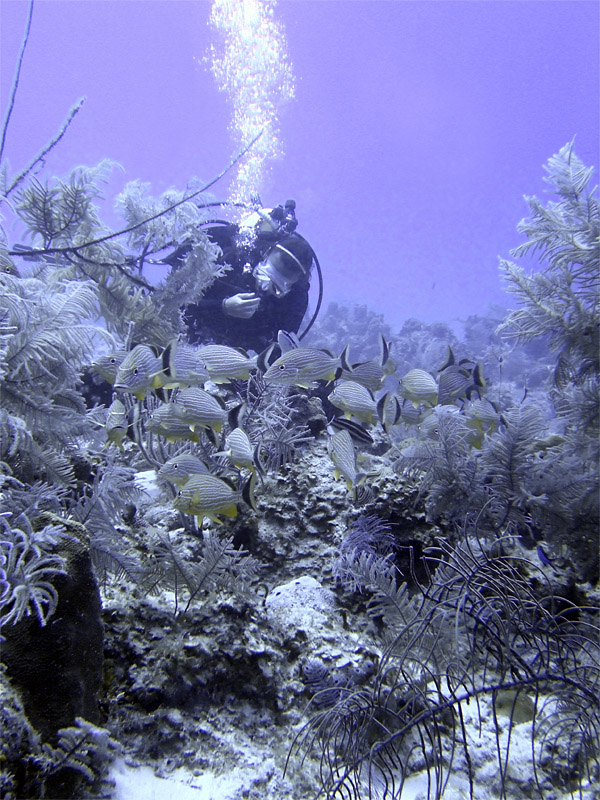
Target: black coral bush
[{"x": 485, "y": 640}]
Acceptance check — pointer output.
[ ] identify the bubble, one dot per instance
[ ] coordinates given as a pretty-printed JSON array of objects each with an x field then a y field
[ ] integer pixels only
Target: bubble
[{"x": 252, "y": 67}]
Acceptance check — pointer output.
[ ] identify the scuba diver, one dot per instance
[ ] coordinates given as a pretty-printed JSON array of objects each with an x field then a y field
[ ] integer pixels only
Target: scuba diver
[{"x": 266, "y": 288}]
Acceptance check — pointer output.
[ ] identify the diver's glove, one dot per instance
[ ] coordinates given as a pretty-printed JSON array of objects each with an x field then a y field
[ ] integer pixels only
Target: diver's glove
[{"x": 242, "y": 305}]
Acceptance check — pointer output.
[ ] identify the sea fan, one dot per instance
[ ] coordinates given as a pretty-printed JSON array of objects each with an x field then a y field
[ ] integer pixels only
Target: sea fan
[
  {"x": 169, "y": 221},
  {"x": 81, "y": 249},
  {"x": 64, "y": 212},
  {"x": 99, "y": 508},
  {"x": 508, "y": 466},
  {"x": 269, "y": 422},
  {"x": 443, "y": 466}
]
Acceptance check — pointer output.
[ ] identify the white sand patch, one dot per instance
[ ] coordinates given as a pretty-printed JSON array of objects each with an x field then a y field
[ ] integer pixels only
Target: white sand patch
[{"x": 132, "y": 783}]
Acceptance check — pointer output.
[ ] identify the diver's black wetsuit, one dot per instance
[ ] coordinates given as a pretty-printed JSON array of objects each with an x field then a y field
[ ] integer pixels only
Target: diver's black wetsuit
[{"x": 205, "y": 319}]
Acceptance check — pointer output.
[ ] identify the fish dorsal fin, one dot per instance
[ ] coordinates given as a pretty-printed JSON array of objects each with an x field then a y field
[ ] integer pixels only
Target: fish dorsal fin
[
  {"x": 236, "y": 415},
  {"x": 381, "y": 406},
  {"x": 248, "y": 492},
  {"x": 344, "y": 359},
  {"x": 168, "y": 354},
  {"x": 450, "y": 360},
  {"x": 210, "y": 435},
  {"x": 478, "y": 376},
  {"x": 385, "y": 350},
  {"x": 263, "y": 360},
  {"x": 287, "y": 340},
  {"x": 164, "y": 394}
]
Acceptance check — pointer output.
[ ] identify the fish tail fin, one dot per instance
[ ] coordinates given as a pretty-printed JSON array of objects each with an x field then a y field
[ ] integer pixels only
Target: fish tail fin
[
  {"x": 388, "y": 416},
  {"x": 477, "y": 375},
  {"x": 381, "y": 409}
]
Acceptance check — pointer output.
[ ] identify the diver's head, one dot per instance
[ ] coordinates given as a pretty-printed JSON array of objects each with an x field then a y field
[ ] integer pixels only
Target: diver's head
[{"x": 285, "y": 264}]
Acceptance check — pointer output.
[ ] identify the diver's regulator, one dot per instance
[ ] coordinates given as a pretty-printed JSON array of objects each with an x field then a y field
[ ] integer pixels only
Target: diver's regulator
[{"x": 277, "y": 221}]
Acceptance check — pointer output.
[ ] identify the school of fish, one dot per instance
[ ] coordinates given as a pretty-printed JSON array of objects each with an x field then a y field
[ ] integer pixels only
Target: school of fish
[{"x": 186, "y": 385}]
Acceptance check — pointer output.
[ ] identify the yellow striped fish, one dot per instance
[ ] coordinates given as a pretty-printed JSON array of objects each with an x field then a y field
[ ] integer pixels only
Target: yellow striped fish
[
  {"x": 372, "y": 373},
  {"x": 108, "y": 366},
  {"x": 182, "y": 366},
  {"x": 226, "y": 363},
  {"x": 202, "y": 409},
  {"x": 116, "y": 423},
  {"x": 305, "y": 365},
  {"x": 368, "y": 373},
  {"x": 137, "y": 371},
  {"x": 180, "y": 468},
  {"x": 171, "y": 421},
  {"x": 212, "y": 497},
  {"x": 343, "y": 455},
  {"x": 239, "y": 449},
  {"x": 419, "y": 386},
  {"x": 354, "y": 400}
]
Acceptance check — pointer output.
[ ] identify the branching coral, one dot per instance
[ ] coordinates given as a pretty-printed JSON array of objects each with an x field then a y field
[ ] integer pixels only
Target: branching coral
[
  {"x": 47, "y": 339},
  {"x": 168, "y": 221},
  {"x": 562, "y": 299}
]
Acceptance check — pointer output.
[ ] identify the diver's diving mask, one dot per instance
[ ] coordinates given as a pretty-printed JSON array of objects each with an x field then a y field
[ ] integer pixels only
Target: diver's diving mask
[{"x": 278, "y": 272}]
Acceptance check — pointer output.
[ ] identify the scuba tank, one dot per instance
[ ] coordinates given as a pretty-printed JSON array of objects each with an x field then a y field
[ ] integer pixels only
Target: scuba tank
[{"x": 271, "y": 221}]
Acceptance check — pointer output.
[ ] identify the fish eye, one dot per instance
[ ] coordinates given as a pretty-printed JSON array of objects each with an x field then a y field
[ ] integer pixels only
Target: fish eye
[
  {"x": 135, "y": 370},
  {"x": 281, "y": 367}
]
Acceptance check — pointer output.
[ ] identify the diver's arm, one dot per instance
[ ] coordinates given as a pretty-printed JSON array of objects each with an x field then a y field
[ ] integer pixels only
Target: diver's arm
[
  {"x": 220, "y": 299},
  {"x": 211, "y": 303},
  {"x": 242, "y": 305}
]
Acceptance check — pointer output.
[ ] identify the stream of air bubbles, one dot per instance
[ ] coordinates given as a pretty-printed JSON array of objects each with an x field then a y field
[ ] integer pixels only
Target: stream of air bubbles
[{"x": 251, "y": 64}]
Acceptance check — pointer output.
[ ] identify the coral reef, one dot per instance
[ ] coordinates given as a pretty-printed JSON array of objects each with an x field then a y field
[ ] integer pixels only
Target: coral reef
[{"x": 440, "y": 597}]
